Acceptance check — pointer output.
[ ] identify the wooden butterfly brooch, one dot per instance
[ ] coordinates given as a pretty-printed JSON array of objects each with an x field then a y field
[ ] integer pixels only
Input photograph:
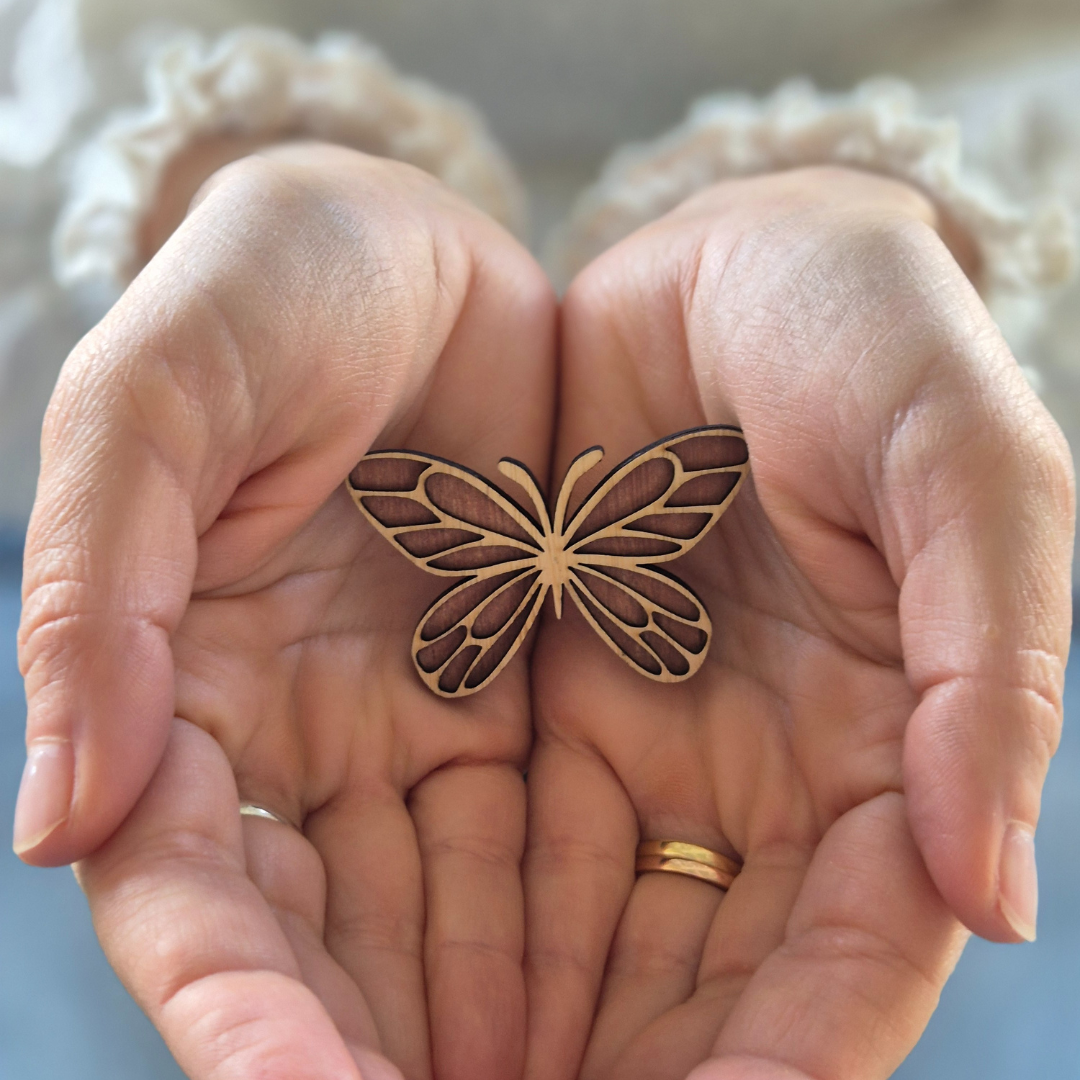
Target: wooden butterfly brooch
[{"x": 652, "y": 508}]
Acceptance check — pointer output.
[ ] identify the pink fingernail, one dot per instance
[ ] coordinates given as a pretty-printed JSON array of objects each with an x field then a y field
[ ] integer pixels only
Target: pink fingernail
[
  {"x": 372, "y": 1066},
  {"x": 1018, "y": 880},
  {"x": 45, "y": 792}
]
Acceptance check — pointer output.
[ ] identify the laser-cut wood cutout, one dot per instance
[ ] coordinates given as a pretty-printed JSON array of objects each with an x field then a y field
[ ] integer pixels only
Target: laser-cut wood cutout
[{"x": 650, "y": 509}]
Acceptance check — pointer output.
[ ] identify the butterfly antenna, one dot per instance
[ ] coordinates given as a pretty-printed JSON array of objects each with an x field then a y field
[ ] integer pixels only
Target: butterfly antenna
[
  {"x": 585, "y": 461},
  {"x": 520, "y": 474}
]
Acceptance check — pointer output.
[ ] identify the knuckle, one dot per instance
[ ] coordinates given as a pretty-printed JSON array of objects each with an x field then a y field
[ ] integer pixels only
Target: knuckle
[
  {"x": 218, "y": 1028},
  {"x": 1051, "y": 462},
  {"x": 557, "y": 957},
  {"x": 387, "y": 931},
  {"x": 1041, "y": 721},
  {"x": 1024, "y": 698},
  {"x": 51, "y": 613},
  {"x": 63, "y": 628},
  {"x": 488, "y": 851},
  {"x": 49, "y": 648},
  {"x": 643, "y": 953},
  {"x": 852, "y": 947},
  {"x": 77, "y": 396},
  {"x": 1021, "y": 443},
  {"x": 564, "y": 853},
  {"x": 491, "y": 951},
  {"x": 149, "y": 372}
]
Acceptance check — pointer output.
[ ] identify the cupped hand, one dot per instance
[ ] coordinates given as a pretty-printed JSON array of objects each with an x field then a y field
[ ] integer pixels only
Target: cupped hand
[
  {"x": 890, "y": 601},
  {"x": 208, "y": 620}
]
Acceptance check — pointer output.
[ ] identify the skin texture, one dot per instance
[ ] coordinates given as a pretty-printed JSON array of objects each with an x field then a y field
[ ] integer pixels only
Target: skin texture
[
  {"x": 194, "y": 554},
  {"x": 890, "y": 597},
  {"x": 209, "y": 619}
]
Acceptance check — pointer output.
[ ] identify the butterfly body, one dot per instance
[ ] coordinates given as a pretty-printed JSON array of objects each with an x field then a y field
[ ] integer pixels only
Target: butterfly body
[
  {"x": 554, "y": 562},
  {"x": 554, "y": 570},
  {"x": 650, "y": 509}
]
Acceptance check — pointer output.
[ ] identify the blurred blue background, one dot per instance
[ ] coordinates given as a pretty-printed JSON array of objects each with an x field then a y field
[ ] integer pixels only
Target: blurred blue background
[{"x": 1009, "y": 1013}]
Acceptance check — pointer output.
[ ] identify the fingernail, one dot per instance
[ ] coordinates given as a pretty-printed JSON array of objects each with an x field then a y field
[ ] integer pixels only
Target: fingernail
[
  {"x": 372, "y": 1066},
  {"x": 1018, "y": 880},
  {"x": 44, "y": 793}
]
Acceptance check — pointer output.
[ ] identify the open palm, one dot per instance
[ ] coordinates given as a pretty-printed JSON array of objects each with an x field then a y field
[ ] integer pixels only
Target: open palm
[
  {"x": 209, "y": 620},
  {"x": 883, "y": 686},
  {"x": 229, "y": 581}
]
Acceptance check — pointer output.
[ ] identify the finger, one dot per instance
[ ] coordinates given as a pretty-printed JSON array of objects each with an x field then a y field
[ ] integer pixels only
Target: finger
[
  {"x": 374, "y": 926},
  {"x": 579, "y": 870},
  {"x": 748, "y": 926},
  {"x": 288, "y": 872},
  {"x": 470, "y": 824},
  {"x": 986, "y": 613},
  {"x": 193, "y": 940},
  {"x": 869, "y": 945},
  {"x": 110, "y": 557},
  {"x": 653, "y": 964}
]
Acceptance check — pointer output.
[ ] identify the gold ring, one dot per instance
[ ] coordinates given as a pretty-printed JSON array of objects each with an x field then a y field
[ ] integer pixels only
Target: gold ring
[
  {"x": 250, "y": 809},
  {"x": 675, "y": 857}
]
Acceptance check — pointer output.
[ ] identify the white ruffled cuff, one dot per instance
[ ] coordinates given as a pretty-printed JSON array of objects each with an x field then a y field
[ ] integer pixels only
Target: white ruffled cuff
[
  {"x": 255, "y": 83},
  {"x": 878, "y": 127}
]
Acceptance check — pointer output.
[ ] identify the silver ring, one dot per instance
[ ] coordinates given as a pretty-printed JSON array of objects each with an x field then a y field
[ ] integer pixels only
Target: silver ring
[{"x": 250, "y": 809}]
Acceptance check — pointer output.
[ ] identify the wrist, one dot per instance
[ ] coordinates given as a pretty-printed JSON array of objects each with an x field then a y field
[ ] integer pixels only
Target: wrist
[
  {"x": 1015, "y": 253},
  {"x": 837, "y": 192},
  {"x": 210, "y": 103}
]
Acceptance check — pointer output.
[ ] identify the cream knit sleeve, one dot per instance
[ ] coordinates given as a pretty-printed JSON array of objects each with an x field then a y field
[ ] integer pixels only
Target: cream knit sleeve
[
  {"x": 1025, "y": 250},
  {"x": 265, "y": 84}
]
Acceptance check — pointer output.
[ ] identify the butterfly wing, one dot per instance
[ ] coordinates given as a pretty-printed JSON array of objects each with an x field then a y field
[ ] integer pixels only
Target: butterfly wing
[
  {"x": 452, "y": 522},
  {"x": 472, "y": 631},
  {"x": 443, "y": 517},
  {"x": 653, "y": 507}
]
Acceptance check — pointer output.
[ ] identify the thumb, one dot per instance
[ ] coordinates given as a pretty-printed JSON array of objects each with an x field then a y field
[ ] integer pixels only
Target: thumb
[
  {"x": 108, "y": 567},
  {"x": 224, "y": 356},
  {"x": 985, "y": 617}
]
